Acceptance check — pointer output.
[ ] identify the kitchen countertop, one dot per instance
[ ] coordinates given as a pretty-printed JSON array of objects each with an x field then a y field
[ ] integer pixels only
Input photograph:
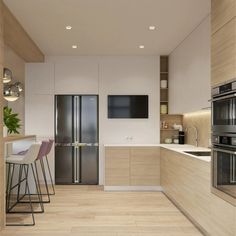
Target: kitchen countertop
[
  {"x": 174, "y": 147},
  {"x": 18, "y": 137}
]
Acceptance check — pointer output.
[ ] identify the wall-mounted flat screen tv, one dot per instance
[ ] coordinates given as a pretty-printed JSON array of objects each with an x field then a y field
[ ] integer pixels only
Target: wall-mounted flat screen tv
[{"x": 128, "y": 106}]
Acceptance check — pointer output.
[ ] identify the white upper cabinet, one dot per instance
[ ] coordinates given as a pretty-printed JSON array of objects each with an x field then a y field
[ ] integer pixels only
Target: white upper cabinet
[
  {"x": 39, "y": 78},
  {"x": 189, "y": 72}
]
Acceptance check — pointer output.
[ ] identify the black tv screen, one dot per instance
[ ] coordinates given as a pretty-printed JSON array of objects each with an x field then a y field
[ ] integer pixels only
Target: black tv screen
[{"x": 128, "y": 106}]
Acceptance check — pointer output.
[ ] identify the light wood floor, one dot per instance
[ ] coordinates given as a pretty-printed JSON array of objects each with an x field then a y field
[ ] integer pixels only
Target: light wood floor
[{"x": 89, "y": 211}]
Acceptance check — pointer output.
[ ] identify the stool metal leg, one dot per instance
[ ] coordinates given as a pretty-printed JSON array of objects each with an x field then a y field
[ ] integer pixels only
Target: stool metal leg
[
  {"x": 45, "y": 179},
  {"x": 9, "y": 194},
  {"x": 7, "y": 190},
  {"x": 49, "y": 171},
  {"x": 26, "y": 171},
  {"x": 39, "y": 194}
]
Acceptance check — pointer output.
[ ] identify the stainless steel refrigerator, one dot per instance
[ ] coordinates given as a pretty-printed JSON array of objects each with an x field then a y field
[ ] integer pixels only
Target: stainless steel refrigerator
[{"x": 76, "y": 139}]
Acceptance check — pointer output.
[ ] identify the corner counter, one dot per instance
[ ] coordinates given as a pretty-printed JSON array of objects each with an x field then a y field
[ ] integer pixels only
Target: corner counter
[
  {"x": 184, "y": 178},
  {"x": 187, "y": 183}
]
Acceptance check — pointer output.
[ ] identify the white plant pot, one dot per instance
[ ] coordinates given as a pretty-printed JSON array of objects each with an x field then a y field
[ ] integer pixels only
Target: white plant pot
[{"x": 5, "y": 131}]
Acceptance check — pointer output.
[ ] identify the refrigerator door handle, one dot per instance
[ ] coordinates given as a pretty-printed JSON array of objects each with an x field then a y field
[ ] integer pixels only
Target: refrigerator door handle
[
  {"x": 64, "y": 144},
  {"x": 87, "y": 144},
  {"x": 75, "y": 166}
]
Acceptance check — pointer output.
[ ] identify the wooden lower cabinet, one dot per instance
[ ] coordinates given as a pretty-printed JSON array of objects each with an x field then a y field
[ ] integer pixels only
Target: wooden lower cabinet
[
  {"x": 145, "y": 166},
  {"x": 117, "y": 166},
  {"x": 132, "y": 166},
  {"x": 187, "y": 182}
]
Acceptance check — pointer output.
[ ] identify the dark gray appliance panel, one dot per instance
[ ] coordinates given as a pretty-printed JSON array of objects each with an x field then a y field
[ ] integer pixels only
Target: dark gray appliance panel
[
  {"x": 64, "y": 165},
  {"x": 89, "y": 136},
  {"x": 89, "y": 165},
  {"x": 89, "y": 119},
  {"x": 64, "y": 119}
]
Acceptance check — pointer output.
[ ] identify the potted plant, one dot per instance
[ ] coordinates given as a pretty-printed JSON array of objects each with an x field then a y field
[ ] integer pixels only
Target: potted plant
[{"x": 11, "y": 121}]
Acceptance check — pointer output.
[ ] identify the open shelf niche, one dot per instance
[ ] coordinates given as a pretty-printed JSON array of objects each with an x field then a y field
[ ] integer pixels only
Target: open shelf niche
[{"x": 168, "y": 119}]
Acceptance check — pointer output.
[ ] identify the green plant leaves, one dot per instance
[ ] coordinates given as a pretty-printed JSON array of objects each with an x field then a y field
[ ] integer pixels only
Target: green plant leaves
[{"x": 11, "y": 120}]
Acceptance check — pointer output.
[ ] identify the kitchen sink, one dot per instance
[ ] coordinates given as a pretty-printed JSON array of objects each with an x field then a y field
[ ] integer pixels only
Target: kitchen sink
[{"x": 198, "y": 153}]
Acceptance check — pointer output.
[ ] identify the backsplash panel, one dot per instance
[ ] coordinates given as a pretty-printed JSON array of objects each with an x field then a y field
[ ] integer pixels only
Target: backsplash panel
[{"x": 202, "y": 121}]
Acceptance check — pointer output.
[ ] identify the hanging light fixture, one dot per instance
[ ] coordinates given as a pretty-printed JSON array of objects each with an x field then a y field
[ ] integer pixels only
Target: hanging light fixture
[
  {"x": 7, "y": 75},
  {"x": 12, "y": 92}
]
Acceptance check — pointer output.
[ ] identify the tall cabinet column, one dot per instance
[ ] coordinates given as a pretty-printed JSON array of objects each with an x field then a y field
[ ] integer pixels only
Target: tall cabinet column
[{"x": 2, "y": 198}]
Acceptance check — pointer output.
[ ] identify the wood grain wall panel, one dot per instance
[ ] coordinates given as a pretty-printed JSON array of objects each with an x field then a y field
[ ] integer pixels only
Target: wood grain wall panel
[
  {"x": 2, "y": 198},
  {"x": 16, "y": 38},
  {"x": 187, "y": 181},
  {"x": 202, "y": 121},
  {"x": 222, "y": 11},
  {"x": 223, "y": 54}
]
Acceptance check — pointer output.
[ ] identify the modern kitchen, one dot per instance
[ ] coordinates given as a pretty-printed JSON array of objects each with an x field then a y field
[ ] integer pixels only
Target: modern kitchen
[{"x": 118, "y": 117}]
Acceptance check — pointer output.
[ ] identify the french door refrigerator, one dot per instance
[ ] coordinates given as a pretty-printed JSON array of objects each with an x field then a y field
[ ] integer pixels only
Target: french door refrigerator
[{"x": 76, "y": 139}]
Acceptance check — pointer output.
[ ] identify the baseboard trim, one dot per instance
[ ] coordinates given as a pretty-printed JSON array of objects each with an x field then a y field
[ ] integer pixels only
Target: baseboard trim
[{"x": 133, "y": 188}]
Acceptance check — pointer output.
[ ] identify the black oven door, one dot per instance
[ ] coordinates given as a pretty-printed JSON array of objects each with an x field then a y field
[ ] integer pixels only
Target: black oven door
[
  {"x": 224, "y": 170},
  {"x": 223, "y": 113}
]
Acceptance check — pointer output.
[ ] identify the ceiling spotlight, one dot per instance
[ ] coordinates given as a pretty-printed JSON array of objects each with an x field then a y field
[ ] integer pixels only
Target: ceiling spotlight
[
  {"x": 68, "y": 27},
  {"x": 152, "y": 27},
  {"x": 74, "y": 46},
  {"x": 141, "y": 46}
]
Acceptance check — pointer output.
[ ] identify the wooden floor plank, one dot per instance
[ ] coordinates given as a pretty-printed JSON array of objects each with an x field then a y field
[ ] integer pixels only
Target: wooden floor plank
[{"x": 89, "y": 211}]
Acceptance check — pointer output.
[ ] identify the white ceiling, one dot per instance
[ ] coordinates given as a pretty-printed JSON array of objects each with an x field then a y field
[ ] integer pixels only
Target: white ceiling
[{"x": 108, "y": 27}]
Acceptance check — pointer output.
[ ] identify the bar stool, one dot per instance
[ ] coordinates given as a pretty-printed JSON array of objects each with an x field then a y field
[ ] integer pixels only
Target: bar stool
[
  {"x": 42, "y": 152},
  {"x": 50, "y": 144},
  {"x": 24, "y": 162},
  {"x": 42, "y": 155}
]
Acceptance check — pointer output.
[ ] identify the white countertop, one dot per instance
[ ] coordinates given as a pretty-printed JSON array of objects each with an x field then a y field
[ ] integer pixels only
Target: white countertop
[{"x": 174, "y": 147}]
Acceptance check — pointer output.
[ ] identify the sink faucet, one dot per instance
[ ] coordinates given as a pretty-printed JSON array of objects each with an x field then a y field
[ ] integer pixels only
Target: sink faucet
[{"x": 196, "y": 133}]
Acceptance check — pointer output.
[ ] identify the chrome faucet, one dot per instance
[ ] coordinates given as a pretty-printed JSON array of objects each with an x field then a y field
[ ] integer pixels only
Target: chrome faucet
[{"x": 196, "y": 133}]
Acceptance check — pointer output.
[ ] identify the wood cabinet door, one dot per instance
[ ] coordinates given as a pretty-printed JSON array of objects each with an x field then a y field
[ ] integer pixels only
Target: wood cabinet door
[
  {"x": 223, "y": 54},
  {"x": 117, "y": 166},
  {"x": 222, "y": 11},
  {"x": 145, "y": 166}
]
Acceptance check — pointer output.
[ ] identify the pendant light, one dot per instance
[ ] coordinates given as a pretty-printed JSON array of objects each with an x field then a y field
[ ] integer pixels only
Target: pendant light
[
  {"x": 7, "y": 75},
  {"x": 12, "y": 92}
]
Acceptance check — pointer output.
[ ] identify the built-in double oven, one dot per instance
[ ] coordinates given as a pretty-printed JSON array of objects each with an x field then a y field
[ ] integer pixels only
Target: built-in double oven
[{"x": 224, "y": 138}]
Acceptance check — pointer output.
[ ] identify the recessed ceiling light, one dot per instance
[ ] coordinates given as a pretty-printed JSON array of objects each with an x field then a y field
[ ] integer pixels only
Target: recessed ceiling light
[
  {"x": 141, "y": 46},
  {"x": 68, "y": 27},
  {"x": 152, "y": 27},
  {"x": 74, "y": 46}
]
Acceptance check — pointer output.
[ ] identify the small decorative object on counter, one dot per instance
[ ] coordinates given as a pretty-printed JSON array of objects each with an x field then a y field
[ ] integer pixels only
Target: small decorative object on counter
[
  {"x": 163, "y": 83},
  {"x": 177, "y": 127},
  {"x": 166, "y": 126},
  {"x": 181, "y": 137},
  {"x": 176, "y": 139},
  {"x": 168, "y": 140},
  {"x": 163, "y": 109}
]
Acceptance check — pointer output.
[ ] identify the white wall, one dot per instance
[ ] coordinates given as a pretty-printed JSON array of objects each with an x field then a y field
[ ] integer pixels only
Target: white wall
[
  {"x": 94, "y": 75},
  {"x": 189, "y": 77}
]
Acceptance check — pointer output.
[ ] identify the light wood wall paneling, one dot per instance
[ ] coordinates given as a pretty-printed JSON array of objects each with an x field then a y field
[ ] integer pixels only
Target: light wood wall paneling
[
  {"x": 202, "y": 121},
  {"x": 223, "y": 54},
  {"x": 17, "y": 38},
  {"x": 187, "y": 181},
  {"x": 222, "y": 11},
  {"x": 2, "y": 198}
]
